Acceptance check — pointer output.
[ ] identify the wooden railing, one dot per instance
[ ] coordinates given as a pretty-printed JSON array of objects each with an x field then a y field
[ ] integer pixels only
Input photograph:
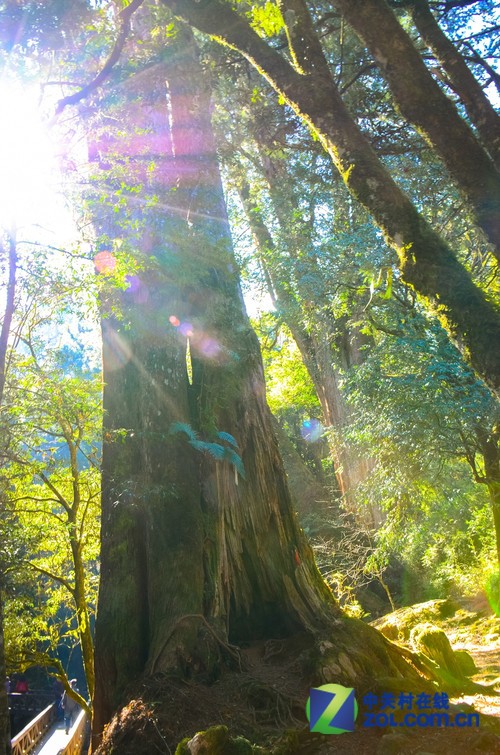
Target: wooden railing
[
  {"x": 27, "y": 739},
  {"x": 75, "y": 744}
]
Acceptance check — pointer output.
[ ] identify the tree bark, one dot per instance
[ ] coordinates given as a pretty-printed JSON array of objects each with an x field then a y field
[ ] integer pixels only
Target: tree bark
[
  {"x": 426, "y": 261},
  {"x": 195, "y": 548},
  {"x": 4, "y": 341},
  {"x": 460, "y": 77},
  {"x": 489, "y": 443},
  {"x": 185, "y": 537},
  {"x": 5, "y": 748},
  {"x": 424, "y": 104}
]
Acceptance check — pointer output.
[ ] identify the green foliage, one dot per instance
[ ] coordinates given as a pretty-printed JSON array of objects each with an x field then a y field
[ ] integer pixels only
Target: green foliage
[
  {"x": 287, "y": 380},
  {"x": 266, "y": 19},
  {"x": 417, "y": 413},
  {"x": 50, "y": 454}
]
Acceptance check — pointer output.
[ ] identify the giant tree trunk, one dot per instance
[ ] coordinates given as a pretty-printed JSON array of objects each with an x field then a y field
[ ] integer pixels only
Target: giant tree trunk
[
  {"x": 196, "y": 547},
  {"x": 426, "y": 262},
  {"x": 184, "y": 537}
]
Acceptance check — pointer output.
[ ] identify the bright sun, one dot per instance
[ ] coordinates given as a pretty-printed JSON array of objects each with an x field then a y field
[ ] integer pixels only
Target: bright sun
[{"x": 28, "y": 166}]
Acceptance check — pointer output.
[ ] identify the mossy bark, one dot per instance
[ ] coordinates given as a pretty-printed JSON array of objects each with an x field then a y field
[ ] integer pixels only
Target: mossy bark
[
  {"x": 427, "y": 263},
  {"x": 260, "y": 576},
  {"x": 151, "y": 555},
  {"x": 196, "y": 551},
  {"x": 191, "y": 550},
  {"x": 423, "y": 103},
  {"x": 460, "y": 77}
]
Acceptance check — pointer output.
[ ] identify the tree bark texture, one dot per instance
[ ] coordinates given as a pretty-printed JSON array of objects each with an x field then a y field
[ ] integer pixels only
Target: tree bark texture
[
  {"x": 426, "y": 262},
  {"x": 187, "y": 539},
  {"x": 460, "y": 77},
  {"x": 4, "y": 342},
  {"x": 195, "y": 547},
  {"x": 424, "y": 104},
  {"x": 5, "y": 747},
  {"x": 151, "y": 556}
]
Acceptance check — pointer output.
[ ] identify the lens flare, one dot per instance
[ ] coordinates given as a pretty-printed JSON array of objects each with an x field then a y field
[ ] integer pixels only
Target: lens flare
[
  {"x": 311, "y": 430},
  {"x": 105, "y": 263},
  {"x": 209, "y": 347},
  {"x": 137, "y": 289},
  {"x": 186, "y": 329},
  {"x": 116, "y": 350}
]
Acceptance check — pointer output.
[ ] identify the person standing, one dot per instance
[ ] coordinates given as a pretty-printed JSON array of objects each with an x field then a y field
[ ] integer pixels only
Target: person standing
[{"x": 69, "y": 706}]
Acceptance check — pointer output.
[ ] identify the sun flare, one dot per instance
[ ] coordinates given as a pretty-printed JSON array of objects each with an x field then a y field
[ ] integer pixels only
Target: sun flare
[{"x": 27, "y": 159}]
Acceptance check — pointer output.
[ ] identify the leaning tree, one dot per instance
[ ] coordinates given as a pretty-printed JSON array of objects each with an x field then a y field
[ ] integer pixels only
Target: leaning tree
[{"x": 304, "y": 80}]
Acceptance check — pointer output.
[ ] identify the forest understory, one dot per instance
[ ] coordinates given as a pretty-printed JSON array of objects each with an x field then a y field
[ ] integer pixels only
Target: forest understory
[{"x": 260, "y": 708}]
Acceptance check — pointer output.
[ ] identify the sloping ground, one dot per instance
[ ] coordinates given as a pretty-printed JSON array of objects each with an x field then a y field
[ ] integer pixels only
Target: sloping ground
[
  {"x": 477, "y": 633},
  {"x": 263, "y": 703}
]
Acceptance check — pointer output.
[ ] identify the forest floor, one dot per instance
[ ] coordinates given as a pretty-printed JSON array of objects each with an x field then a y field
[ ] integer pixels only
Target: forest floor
[{"x": 264, "y": 702}]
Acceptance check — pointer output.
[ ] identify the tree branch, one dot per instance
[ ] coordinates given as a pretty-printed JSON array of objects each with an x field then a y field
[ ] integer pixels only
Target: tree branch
[
  {"x": 9, "y": 308},
  {"x": 305, "y": 48},
  {"x": 51, "y": 575},
  {"x": 62, "y": 500},
  {"x": 124, "y": 17}
]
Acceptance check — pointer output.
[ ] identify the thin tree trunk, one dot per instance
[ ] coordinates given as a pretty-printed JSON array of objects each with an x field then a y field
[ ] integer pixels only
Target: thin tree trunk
[
  {"x": 426, "y": 261},
  {"x": 490, "y": 449},
  {"x": 5, "y": 748},
  {"x": 4, "y": 341},
  {"x": 9, "y": 308},
  {"x": 494, "y": 490},
  {"x": 315, "y": 344},
  {"x": 320, "y": 371},
  {"x": 479, "y": 108}
]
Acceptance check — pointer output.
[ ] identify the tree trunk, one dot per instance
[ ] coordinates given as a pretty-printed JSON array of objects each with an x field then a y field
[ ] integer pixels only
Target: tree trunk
[
  {"x": 426, "y": 261},
  {"x": 314, "y": 343},
  {"x": 479, "y": 108},
  {"x": 321, "y": 373},
  {"x": 185, "y": 536},
  {"x": 423, "y": 103},
  {"x": 490, "y": 449},
  {"x": 494, "y": 490},
  {"x": 196, "y": 547},
  {"x": 5, "y": 748},
  {"x": 8, "y": 315},
  {"x": 151, "y": 532}
]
